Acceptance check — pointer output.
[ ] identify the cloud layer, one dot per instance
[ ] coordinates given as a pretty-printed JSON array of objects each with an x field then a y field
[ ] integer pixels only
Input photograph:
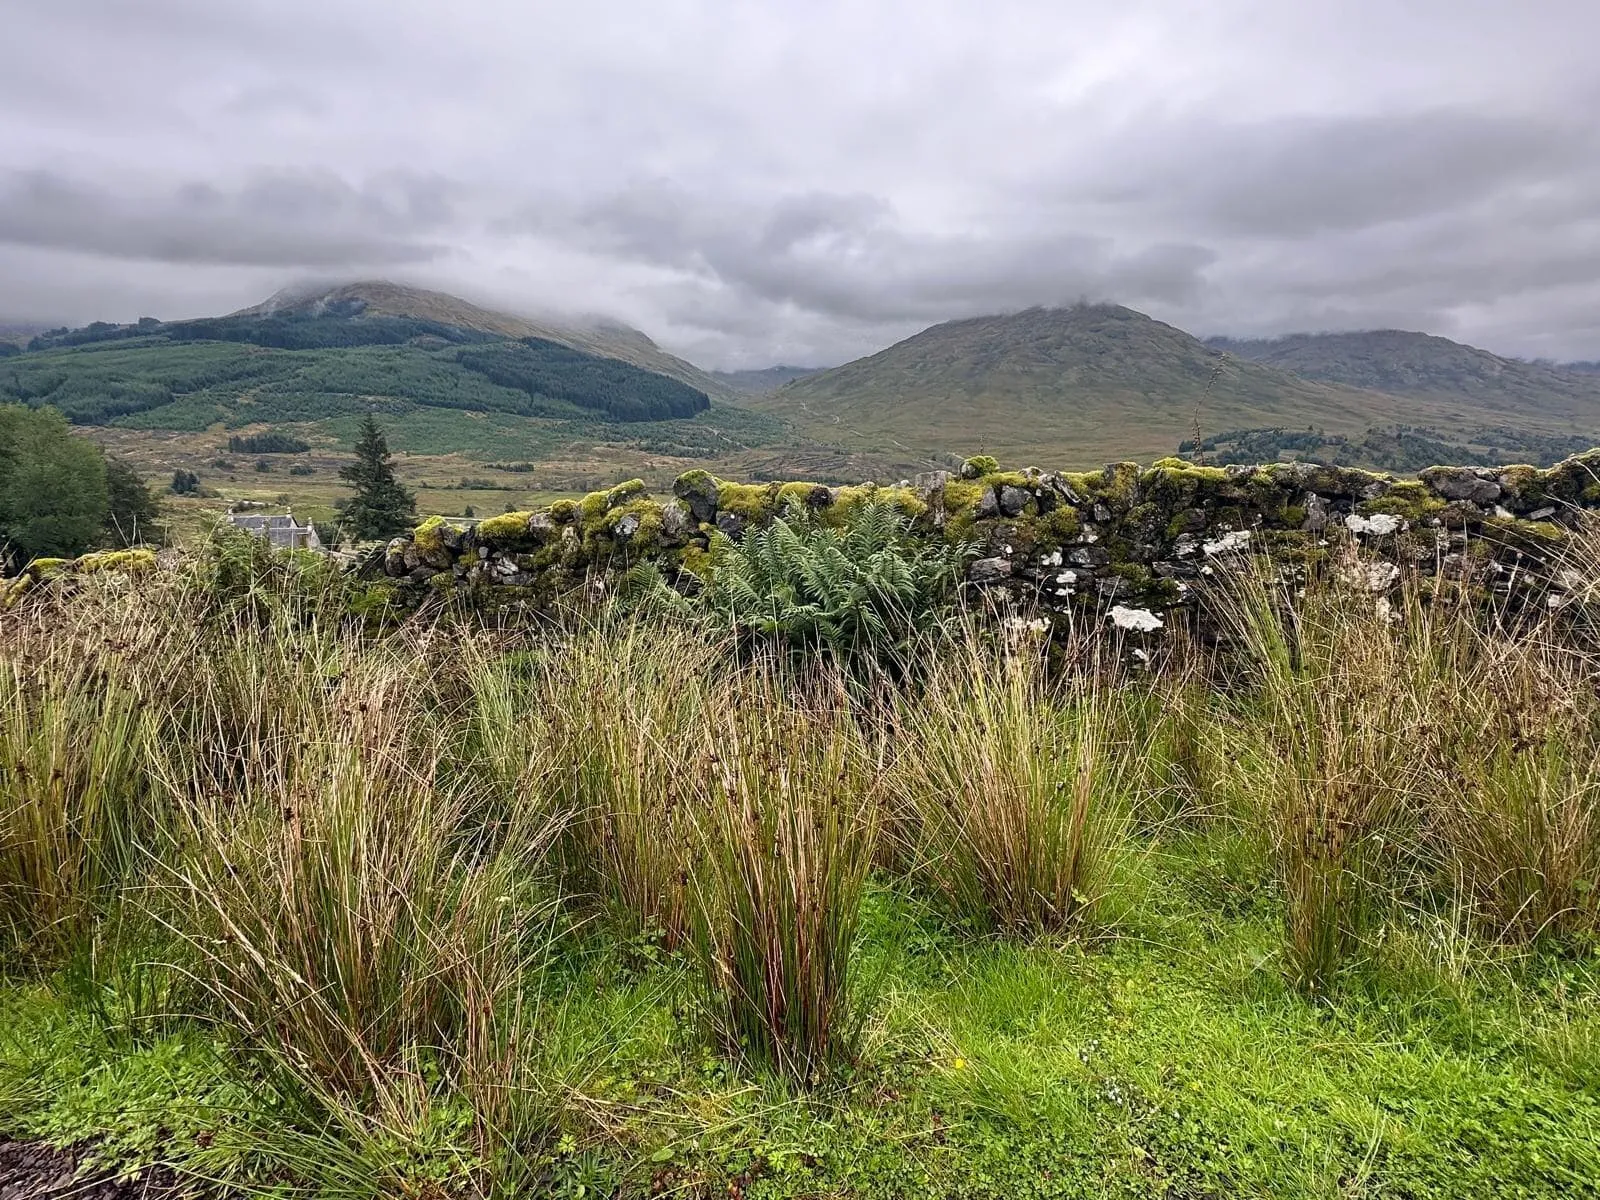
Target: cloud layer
[{"x": 778, "y": 181}]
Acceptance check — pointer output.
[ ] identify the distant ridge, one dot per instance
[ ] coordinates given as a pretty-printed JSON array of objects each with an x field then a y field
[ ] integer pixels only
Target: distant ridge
[
  {"x": 765, "y": 379},
  {"x": 1092, "y": 383},
  {"x": 1429, "y": 367},
  {"x": 382, "y": 298}
]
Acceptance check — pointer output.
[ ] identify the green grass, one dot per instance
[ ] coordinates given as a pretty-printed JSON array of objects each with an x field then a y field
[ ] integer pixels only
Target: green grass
[{"x": 1170, "y": 1060}]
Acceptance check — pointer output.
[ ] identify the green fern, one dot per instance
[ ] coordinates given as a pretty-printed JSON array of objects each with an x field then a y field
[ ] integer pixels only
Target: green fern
[{"x": 867, "y": 589}]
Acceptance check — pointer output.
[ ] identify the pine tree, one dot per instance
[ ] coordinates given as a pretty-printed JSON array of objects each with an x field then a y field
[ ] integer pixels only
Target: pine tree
[{"x": 381, "y": 507}]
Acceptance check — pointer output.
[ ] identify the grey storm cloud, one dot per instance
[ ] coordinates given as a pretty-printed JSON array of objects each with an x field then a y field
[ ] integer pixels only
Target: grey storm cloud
[
  {"x": 851, "y": 257},
  {"x": 294, "y": 220},
  {"x": 754, "y": 182}
]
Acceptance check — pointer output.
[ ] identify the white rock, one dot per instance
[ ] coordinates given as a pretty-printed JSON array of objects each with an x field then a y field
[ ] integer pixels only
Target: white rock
[
  {"x": 1373, "y": 577},
  {"x": 1378, "y": 524},
  {"x": 1235, "y": 539},
  {"x": 1053, "y": 559},
  {"x": 1142, "y": 620}
]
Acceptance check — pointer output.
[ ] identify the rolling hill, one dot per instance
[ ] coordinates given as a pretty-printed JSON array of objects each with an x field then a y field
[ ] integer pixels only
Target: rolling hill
[
  {"x": 1083, "y": 385},
  {"x": 376, "y": 299},
  {"x": 485, "y": 409},
  {"x": 1429, "y": 367}
]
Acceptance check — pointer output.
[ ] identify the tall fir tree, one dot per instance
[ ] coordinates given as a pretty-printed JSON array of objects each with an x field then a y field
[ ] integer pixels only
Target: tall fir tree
[{"x": 381, "y": 507}]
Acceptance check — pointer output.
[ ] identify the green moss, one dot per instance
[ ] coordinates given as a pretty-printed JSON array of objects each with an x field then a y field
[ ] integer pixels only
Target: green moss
[
  {"x": 130, "y": 561},
  {"x": 755, "y": 502},
  {"x": 979, "y": 465},
  {"x": 698, "y": 561},
  {"x": 1061, "y": 525},
  {"x": 1409, "y": 500},
  {"x": 506, "y": 529},
  {"x": 429, "y": 540},
  {"x": 1117, "y": 486},
  {"x": 1519, "y": 480},
  {"x": 695, "y": 483},
  {"x": 1184, "y": 471},
  {"x": 1016, "y": 479},
  {"x": 47, "y": 568},
  {"x": 1340, "y": 481},
  {"x": 961, "y": 496},
  {"x": 624, "y": 492},
  {"x": 849, "y": 500},
  {"x": 16, "y": 589},
  {"x": 564, "y": 512},
  {"x": 810, "y": 496}
]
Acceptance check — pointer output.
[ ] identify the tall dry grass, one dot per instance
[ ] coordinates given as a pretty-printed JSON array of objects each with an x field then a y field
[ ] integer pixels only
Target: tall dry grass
[
  {"x": 1344, "y": 729},
  {"x": 1007, "y": 791},
  {"x": 787, "y": 826},
  {"x": 73, "y": 803},
  {"x": 608, "y": 732}
]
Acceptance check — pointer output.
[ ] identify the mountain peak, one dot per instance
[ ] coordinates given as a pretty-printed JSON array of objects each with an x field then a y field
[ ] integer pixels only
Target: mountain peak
[{"x": 1090, "y": 382}]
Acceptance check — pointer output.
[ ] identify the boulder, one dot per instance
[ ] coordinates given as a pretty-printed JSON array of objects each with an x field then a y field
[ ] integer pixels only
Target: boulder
[
  {"x": 698, "y": 491},
  {"x": 1470, "y": 484},
  {"x": 676, "y": 527},
  {"x": 1013, "y": 500}
]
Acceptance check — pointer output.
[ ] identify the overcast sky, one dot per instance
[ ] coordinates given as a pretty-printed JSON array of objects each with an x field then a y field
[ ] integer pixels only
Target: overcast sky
[{"x": 810, "y": 180}]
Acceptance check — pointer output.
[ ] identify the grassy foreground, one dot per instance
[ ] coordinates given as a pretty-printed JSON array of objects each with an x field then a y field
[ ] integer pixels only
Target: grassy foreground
[{"x": 639, "y": 904}]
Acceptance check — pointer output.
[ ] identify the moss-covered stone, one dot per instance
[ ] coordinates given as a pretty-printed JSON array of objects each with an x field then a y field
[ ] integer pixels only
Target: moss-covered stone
[
  {"x": 810, "y": 496},
  {"x": 979, "y": 465},
  {"x": 437, "y": 540},
  {"x": 1409, "y": 500},
  {"x": 564, "y": 512},
  {"x": 131, "y": 562},
  {"x": 47, "y": 568},
  {"x": 508, "y": 530},
  {"x": 753, "y": 502}
]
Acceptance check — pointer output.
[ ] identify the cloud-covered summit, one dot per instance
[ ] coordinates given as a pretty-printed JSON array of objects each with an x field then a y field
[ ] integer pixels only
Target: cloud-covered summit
[{"x": 754, "y": 183}]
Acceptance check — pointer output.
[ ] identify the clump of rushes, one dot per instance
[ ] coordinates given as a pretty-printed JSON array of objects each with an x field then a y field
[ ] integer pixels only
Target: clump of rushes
[
  {"x": 334, "y": 920},
  {"x": 787, "y": 834},
  {"x": 620, "y": 712},
  {"x": 1346, "y": 736},
  {"x": 72, "y": 802},
  {"x": 1005, "y": 790},
  {"x": 1516, "y": 789}
]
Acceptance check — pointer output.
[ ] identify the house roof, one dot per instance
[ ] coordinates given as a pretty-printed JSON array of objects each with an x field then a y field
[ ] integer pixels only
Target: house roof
[{"x": 279, "y": 529}]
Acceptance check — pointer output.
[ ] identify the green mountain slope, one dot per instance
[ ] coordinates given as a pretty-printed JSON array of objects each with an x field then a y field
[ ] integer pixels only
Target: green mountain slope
[
  {"x": 1421, "y": 365},
  {"x": 1083, "y": 385},
  {"x": 372, "y": 299}
]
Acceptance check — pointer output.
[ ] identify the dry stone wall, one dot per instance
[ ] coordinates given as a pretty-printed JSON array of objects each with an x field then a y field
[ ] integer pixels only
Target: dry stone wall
[{"x": 1127, "y": 538}]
